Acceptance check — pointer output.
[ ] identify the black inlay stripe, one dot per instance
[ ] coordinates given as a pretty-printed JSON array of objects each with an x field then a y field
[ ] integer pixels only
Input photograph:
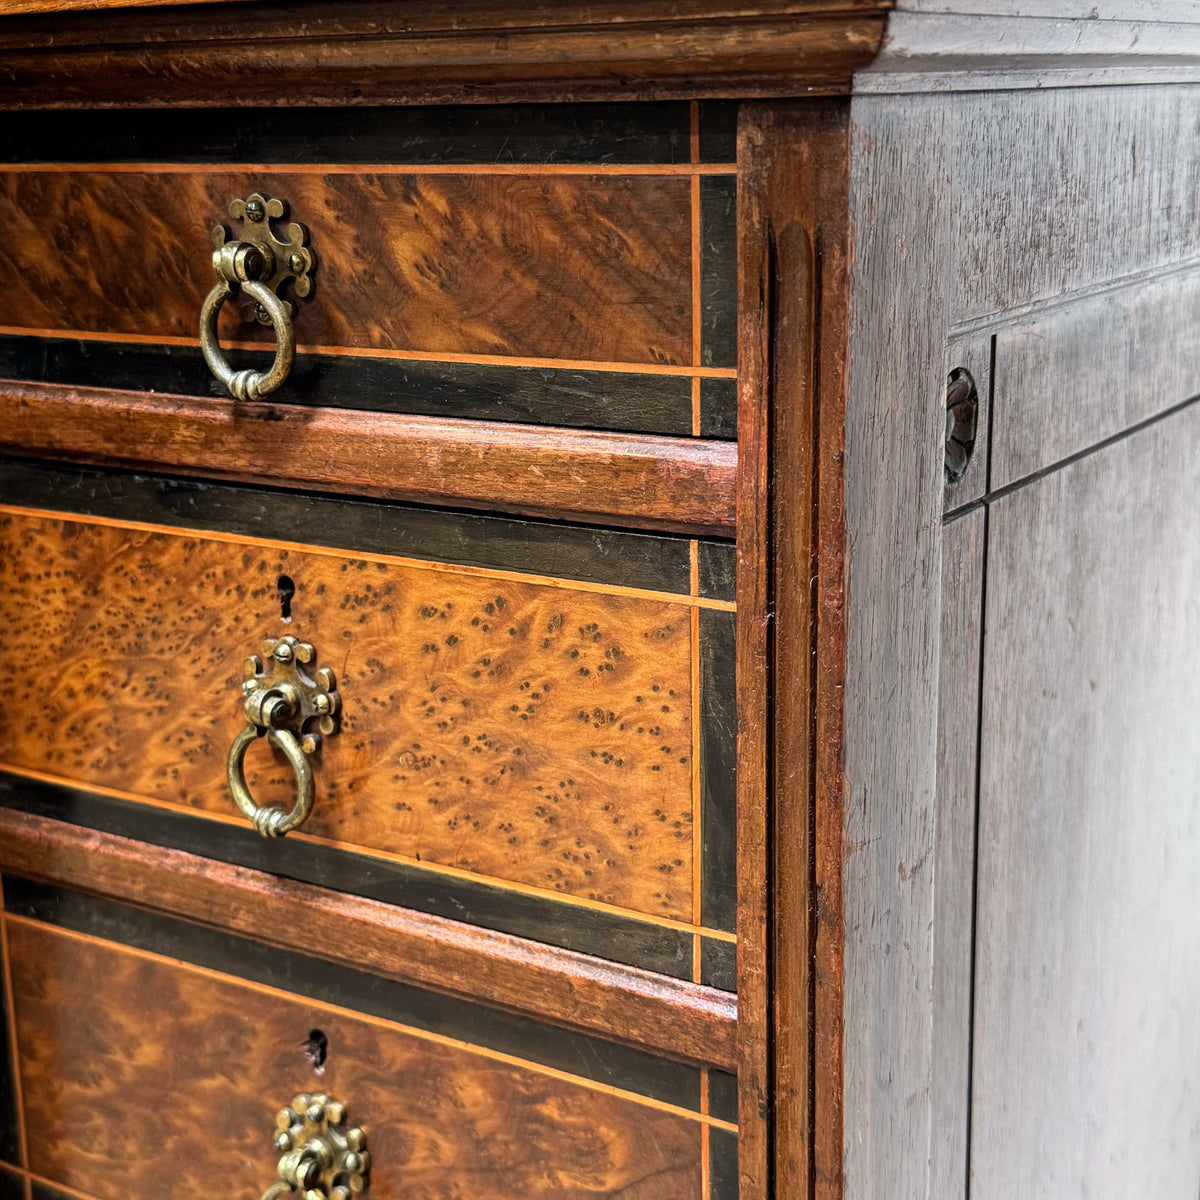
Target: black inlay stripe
[
  {"x": 718, "y": 770},
  {"x": 588, "y": 554},
  {"x": 723, "y": 1096},
  {"x": 722, "y": 1165},
  {"x": 10, "y": 1130},
  {"x": 531, "y": 134},
  {"x": 607, "y": 935},
  {"x": 590, "y": 1058},
  {"x": 616, "y": 400},
  {"x": 717, "y": 570},
  {"x": 718, "y": 271},
  {"x": 12, "y": 1186},
  {"x": 718, "y": 131},
  {"x": 718, "y": 964},
  {"x": 718, "y": 409}
]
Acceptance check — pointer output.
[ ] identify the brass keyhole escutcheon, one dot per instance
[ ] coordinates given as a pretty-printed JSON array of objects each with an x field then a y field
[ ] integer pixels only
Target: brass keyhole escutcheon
[
  {"x": 320, "y": 1155},
  {"x": 285, "y": 696},
  {"x": 255, "y": 269}
]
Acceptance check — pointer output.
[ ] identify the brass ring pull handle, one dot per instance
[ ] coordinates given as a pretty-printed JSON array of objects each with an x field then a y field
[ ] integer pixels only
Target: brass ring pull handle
[
  {"x": 269, "y": 820},
  {"x": 255, "y": 270},
  {"x": 247, "y": 384},
  {"x": 281, "y": 698},
  {"x": 319, "y": 1155}
]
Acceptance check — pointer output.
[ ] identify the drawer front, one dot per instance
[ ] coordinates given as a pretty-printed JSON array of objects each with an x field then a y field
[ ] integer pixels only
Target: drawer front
[
  {"x": 569, "y": 265},
  {"x": 554, "y": 744},
  {"x": 454, "y": 1099}
]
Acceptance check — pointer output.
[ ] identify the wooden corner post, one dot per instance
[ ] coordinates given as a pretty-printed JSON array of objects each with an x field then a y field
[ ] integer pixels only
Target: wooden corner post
[{"x": 793, "y": 271}]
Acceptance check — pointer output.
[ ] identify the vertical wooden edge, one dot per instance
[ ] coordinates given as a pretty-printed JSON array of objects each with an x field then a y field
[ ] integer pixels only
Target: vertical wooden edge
[{"x": 793, "y": 259}]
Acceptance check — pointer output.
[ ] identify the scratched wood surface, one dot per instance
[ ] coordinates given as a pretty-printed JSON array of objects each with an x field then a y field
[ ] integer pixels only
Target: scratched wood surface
[
  {"x": 170, "y": 1093},
  {"x": 532, "y": 733},
  {"x": 1086, "y": 1054},
  {"x": 543, "y": 266}
]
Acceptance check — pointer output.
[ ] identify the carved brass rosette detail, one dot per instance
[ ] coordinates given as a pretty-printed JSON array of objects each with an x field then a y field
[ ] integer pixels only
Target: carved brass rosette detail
[
  {"x": 281, "y": 261},
  {"x": 319, "y": 1155},
  {"x": 285, "y": 694}
]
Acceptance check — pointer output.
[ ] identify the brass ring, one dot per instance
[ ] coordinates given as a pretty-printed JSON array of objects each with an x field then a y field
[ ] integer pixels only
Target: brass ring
[
  {"x": 271, "y": 821},
  {"x": 247, "y": 385}
]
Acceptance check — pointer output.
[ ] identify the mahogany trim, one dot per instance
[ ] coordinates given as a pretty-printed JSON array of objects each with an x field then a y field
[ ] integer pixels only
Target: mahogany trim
[
  {"x": 793, "y": 257},
  {"x": 422, "y": 52},
  {"x": 675, "y": 1018},
  {"x": 684, "y": 485}
]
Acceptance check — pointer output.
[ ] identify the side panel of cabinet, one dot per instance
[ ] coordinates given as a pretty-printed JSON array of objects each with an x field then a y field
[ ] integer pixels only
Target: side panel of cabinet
[{"x": 1086, "y": 1051}]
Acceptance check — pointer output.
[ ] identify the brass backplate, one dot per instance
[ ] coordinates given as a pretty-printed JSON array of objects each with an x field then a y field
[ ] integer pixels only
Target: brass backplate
[{"x": 285, "y": 260}]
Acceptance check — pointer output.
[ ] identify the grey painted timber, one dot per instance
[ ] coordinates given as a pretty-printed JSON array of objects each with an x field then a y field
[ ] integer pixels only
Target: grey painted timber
[
  {"x": 954, "y": 841},
  {"x": 894, "y": 480},
  {"x": 1071, "y": 377},
  {"x": 1086, "y": 1043}
]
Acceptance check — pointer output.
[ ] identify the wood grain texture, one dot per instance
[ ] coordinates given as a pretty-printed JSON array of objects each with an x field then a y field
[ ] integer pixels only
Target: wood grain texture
[
  {"x": 642, "y": 481},
  {"x": 1086, "y": 1054},
  {"x": 1074, "y": 375},
  {"x": 479, "y": 50},
  {"x": 678, "y": 1019},
  {"x": 516, "y": 730},
  {"x": 1068, "y": 190},
  {"x": 895, "y": 417},
  {"x": 792, "y": 198},
  {"x": 546, "y": 266},
  {"x": 985, "y": 50},
  {"x": 199, "y": 1065},
  {"x": 963, "y": 545}
]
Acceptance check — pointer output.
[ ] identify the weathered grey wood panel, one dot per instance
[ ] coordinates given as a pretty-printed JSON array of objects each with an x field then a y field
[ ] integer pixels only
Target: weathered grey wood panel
[
  {"x": 1086, "y": 1079},
  {"x": 894, "y": 423},
  {"x": 1057, "y": 191},
  {"x": 983, "y": 50},
  {"x": 1083, "y": 10},
  {"x": 954, "y": 855},
  {"x": 1073, "y": 376}
]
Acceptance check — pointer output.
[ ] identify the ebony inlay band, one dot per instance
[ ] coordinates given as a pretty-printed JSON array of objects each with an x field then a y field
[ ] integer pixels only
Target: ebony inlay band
[
  {"x": 616, "y": 937},
  {"x": 530, "y": 134},
  {"x": 591, "y": 1058},
  {"x": 553, "y": 549}
]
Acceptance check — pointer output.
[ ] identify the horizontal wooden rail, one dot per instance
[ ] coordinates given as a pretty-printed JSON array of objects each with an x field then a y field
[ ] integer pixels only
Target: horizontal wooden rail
[
  {"x": 367, "y": 52},
  {"x": 680, "y": 1020},
  {"x": 683, "y": 485}
]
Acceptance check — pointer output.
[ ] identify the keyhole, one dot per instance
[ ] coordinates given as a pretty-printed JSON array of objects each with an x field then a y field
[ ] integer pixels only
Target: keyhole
[
  {"x": 286, "y": 589},
  {"x": 316, "y": 1049}
]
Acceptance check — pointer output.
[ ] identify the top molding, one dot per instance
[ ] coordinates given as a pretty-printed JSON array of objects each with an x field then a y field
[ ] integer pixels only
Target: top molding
[{"x": 310, "y": 52}]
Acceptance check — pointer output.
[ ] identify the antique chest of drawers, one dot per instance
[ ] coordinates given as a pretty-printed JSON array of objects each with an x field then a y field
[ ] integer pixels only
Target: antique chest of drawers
[{"x": 549, "y": 638}]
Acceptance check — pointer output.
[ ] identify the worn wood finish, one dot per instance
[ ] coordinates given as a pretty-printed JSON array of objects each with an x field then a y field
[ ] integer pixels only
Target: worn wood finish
[
  {"x": 528, "y": 266},
  {"x": 672, "y": 1017},
  {"x": 369, "y": 53},
  {"x": 644, "y": 481},
  {"x": 895, "y": 416},
  {"x": 963, "y": 545},
  {"x": 1086, "y": 1057},
  {"x": 1071, "y": 189},
  {"x": 992, "y": 48},
  {"x": 197, "y": 1068},
  {"x": 793, "y": 256},
  {"x": 1074, "y": 375},
  {"x": 516, "y": 730}
]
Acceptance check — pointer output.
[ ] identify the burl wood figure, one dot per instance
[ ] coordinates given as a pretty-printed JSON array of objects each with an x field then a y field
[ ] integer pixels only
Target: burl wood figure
[{"x": 736, "y": 461}]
